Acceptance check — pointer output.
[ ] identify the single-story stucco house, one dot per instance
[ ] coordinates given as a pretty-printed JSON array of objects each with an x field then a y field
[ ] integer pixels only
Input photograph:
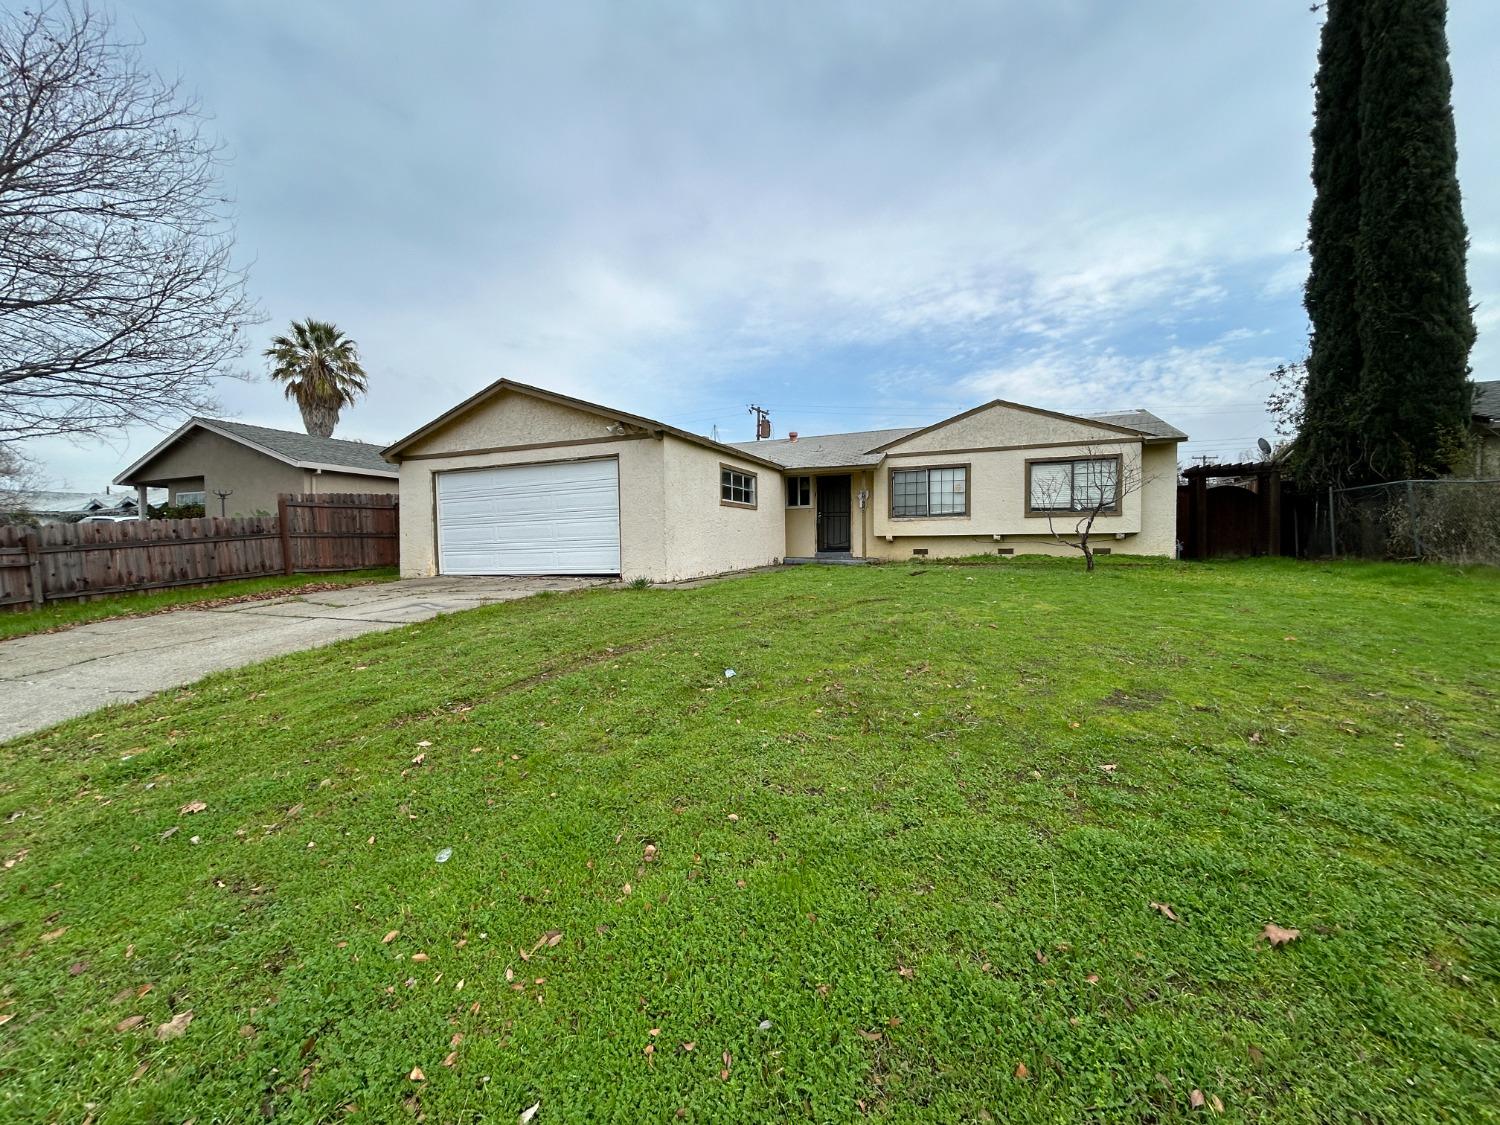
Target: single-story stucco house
[
  {"x": 254, "y": 465},
  {"x": 1485, "y": 431},
  {"x": 521, "y": 480}
]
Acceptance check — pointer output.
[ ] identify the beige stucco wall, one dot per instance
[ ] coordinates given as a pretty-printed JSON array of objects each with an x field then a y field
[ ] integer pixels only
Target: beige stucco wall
[
  {"x": 204, "y": 459},
  {"x": 705, "y": 536},
  {"x": 1486, "y": 454}
]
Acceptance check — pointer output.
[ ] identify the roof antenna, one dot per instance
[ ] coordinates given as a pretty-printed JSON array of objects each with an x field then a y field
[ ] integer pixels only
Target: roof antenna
[{"x": 762, "y": 422}]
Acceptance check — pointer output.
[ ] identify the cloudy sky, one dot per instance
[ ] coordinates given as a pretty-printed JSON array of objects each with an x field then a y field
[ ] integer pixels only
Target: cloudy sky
[{"x": 858, "y": 214}]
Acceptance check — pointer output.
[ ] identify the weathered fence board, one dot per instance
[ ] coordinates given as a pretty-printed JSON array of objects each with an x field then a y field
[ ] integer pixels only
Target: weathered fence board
[{"x": 338, "y": 531}]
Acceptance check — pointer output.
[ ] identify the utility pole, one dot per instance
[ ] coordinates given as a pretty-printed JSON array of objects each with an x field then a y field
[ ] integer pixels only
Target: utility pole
[{"x": 762, "y": 421}]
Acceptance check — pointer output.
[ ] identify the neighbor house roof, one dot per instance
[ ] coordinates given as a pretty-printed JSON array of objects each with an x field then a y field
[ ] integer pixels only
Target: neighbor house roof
[
  {"x": 825, "y": 451},
  {"x": 298, "y": 449},
  {"x": 74, "y": 503},
  {"x": 1487, "y": 400},
  {"x": 392, "y": 452}
]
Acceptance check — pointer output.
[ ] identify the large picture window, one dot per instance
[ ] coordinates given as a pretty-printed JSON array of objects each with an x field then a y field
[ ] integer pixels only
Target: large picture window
[
  {"x": 736, "y": 487},
  {"x": 1079, "y": 485},
  {"x": 938, "y": 491}
]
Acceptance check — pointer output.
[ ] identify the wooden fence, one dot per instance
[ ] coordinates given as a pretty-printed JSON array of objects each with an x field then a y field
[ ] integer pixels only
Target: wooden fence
[{"x": 336, "y": 531}]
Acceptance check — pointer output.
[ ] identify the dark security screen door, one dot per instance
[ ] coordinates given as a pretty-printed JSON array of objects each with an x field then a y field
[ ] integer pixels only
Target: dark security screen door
[{"x": 833, "y": 513}]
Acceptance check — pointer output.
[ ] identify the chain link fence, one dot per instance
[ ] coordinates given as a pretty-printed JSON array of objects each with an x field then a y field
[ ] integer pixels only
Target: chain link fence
[{"x": 1452, "y": 521}]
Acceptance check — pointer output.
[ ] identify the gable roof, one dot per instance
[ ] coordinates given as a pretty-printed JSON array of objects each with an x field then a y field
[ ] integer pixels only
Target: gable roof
[
  {"x": 826, "y": 451},
  {"x": 392, "y": 452},
  {"x": 1101, "y": 421},
  {"x": 1487, "y": 400},
  {"x": 300, "y": 450}
]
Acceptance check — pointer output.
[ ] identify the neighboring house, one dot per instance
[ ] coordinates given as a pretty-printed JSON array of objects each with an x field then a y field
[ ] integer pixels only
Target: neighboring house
[
  {"x": 521, "y": 480},
  {"x": 255, "y": 465},
  {"x": 1486, "y": 430},
  {"x": 70, "y": 507}
]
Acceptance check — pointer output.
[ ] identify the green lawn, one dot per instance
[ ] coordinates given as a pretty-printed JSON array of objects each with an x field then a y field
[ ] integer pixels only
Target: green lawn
[
  {"x": 911, "y": 847},
  {"x": 64, "y": 615}
]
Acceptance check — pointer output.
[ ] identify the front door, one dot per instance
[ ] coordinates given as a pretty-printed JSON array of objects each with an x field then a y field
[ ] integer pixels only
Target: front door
[{"x": 833, "y": 513}]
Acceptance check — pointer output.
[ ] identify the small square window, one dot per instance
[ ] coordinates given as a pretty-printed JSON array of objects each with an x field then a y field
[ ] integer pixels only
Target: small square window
[
  {"x": 799, "y": 492},
  {"x": 736, "y": 487}
]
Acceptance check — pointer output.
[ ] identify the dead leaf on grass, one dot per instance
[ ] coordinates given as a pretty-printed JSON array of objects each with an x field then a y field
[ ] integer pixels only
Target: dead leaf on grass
[
  {"x": 1021, "y": 1071},
  {"x": 416, "y": 1074},
  {"x": 528, "y": 1113},
  {"x": 130, "y": 1023},
  {"x": 192, "y": 807},
  {"x": 390, "y": 937},
  {"x": 648, "y": 854},
  {"x": 1279, "y": 935},
  {"x": 53, "y": 935},
  {"x": 452, "y": 1058},
  {"x": 175, "y": 1026},
  {"x": 419, "y": 957},
  {"x": 1165, "y": 910},
  {"x": 872, "y": 1036}
]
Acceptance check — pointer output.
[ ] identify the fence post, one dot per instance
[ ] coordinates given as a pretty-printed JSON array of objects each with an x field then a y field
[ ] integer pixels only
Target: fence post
[
  {"x": 1416, "y": 527},
  {"x": 286, "y": 535},
  {"x": 33, "y": 544},
  {"x": 1333, "y": 535}
]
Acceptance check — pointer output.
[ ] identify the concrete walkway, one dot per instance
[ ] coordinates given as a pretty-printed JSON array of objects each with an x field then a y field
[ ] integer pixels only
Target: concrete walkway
[{"x": 49, "y": 677}]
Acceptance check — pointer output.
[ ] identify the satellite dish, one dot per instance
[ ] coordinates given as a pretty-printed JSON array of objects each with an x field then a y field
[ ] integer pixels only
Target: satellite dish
[{"x": 1265, "y": 446}]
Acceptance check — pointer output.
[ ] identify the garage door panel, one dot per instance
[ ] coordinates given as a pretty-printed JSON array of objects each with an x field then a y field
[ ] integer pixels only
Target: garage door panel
[{"x": 561, "y": 518}]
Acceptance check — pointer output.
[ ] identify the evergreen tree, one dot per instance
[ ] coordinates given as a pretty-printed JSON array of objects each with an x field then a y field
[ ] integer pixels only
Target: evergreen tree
[
  {"x": 1326, "y": 447},
  {"x": 1415, "y": 321},
  {"x": 1387, "y": 393}
]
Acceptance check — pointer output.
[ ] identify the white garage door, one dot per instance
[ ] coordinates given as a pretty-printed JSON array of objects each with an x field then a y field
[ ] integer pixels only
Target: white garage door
[{"x": 562, "y": 518}]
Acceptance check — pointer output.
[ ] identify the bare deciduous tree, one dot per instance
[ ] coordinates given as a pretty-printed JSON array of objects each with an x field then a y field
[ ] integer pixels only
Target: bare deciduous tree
[
  {"x": 118, "y": 300},
  {"x": 1093, "y": 484},
  {"x": 19, "y": 478}
]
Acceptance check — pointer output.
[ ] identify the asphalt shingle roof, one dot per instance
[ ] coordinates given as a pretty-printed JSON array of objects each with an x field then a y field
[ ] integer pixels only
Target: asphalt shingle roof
[
  {"x": 835, "y": 451},
  {"x": 1142, "y": 420},
  {"x": 1487, "y": 399},
  {"x": 825, "y": 451},
  {"x": 357, "y": 455}
]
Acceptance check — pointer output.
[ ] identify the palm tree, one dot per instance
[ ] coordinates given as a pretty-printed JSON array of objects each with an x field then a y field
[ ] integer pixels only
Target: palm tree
[{"x": 320, "y": 367}]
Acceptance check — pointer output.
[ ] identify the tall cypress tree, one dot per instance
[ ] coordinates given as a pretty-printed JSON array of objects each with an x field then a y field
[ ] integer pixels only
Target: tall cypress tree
[
  {"x": 1387, "y": 392},
  {"x": 1327, "y": 442},
  {"x": 1415, "y": 320}
]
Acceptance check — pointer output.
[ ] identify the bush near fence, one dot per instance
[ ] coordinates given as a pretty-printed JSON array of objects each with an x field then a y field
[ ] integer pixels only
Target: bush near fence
[
  {"x": 322, "y": 533},
  {"x": 1452, "y": 521}
]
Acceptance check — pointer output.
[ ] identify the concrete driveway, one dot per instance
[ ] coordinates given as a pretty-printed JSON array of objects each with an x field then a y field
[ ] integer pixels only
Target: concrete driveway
[{"x": 50, "y": 677}]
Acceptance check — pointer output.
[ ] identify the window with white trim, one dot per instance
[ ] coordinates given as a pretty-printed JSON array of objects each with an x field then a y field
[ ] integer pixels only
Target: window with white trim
[
  {"x": 799, "y": 492},
  {"x": 938, "y": 491},
  {"x": 736, "y": 486},
  {"x": 1079, "y": 485},
  {"x": 187, "y": 499}
]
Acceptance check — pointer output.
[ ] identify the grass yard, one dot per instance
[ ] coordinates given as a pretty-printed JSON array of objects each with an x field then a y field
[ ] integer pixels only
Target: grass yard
[
  {"x": 64, "y": 615},
  {"x": 902, "y": 866}
]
